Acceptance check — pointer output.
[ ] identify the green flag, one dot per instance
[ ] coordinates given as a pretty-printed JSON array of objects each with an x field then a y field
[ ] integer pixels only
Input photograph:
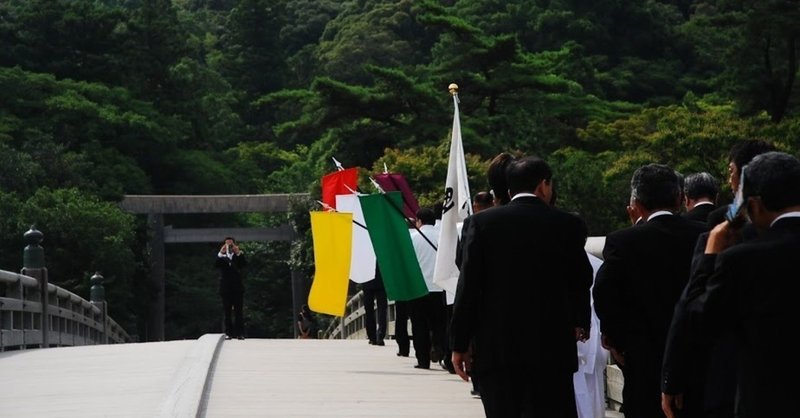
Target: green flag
[{"x": 391, "y": 241}]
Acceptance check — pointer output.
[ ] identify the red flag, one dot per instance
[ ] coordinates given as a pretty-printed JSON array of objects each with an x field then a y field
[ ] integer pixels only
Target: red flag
[
  {"x": 338, "y": 183},
  {"x": 390, "y": 182}
]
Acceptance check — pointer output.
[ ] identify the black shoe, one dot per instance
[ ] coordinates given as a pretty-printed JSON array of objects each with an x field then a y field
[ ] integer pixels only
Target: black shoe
[
  {"x": 436, "y": 355},
  {"x": 448, "y": 366},
  {"x": 419, "y": 366},
  {"x": 227, "y": 337},
  {"x": 371, "y": 342},
  {"x": 474, "y": 392},
  {"x": 402, "y": 355},
  {"x": 240, "y": 338},
  {"x": 380, "y": 342}
]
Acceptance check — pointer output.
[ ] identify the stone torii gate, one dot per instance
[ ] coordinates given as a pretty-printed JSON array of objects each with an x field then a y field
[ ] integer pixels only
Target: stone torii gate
[{"x": 155, "y": 206}]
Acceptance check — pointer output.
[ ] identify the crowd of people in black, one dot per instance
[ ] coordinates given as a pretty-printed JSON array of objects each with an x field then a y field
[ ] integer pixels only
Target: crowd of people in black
[{"x": 693, "y": 299}]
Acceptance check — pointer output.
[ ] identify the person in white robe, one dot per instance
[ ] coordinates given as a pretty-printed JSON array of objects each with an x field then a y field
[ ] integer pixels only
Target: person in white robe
[{"x": 589, "y": 380}]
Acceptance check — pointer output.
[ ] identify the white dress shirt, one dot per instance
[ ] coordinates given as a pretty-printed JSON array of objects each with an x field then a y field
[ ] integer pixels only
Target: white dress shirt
[{"x": 426, "y": 254}]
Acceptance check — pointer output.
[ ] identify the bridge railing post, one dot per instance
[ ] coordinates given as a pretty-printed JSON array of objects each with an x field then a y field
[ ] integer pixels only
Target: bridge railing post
[
  {"x": 33, "y": 266},
  {"x": 97, "y": 295}
]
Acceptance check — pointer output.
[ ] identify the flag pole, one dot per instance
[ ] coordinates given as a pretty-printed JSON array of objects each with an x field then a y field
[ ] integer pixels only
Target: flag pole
[
  {"x": 453, "y": 87},
  {"x": 332, "y": 209},
  {"x": 455, "y": 208},
  {"x": 400, "y": 211}
]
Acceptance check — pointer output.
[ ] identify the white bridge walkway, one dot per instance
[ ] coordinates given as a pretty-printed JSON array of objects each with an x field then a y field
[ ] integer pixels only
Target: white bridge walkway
[
  {"x": 250, "y": 378},
  {"x": 216, "y": 378}
]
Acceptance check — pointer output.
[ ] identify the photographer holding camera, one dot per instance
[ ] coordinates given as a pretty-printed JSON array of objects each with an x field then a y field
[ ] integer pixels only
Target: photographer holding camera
[{"x": 230, "y": 262}]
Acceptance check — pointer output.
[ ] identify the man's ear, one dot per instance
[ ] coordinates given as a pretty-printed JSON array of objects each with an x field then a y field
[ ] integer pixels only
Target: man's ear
[
  {"x": 756, "y": 211},
  {"x": 640, "y": 209},
  {"x": 544, "y": 189}
]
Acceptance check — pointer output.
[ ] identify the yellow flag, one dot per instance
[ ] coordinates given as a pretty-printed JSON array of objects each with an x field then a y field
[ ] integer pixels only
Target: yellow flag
[{"x": 332, "y": 233}]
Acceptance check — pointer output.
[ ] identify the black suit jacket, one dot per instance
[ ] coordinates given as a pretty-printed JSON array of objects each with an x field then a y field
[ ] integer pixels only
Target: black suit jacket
[
  {"x": 230, "y": 274},
  {"x": 700, "y": 212},
  {"x": 702, "y": 369},
  {"x": 716, "y": 216},
  {"x": 752, "y": 290},
  {"x": 644, "y": 271},
  {"x": 524, "y": 274}
]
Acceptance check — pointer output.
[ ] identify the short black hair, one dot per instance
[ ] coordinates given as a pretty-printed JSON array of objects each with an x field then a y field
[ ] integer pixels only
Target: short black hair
[
  {"x": 438, "y": 209},
  {"x": 427, "y": 216},
  {"x": 656, "y": 186},
  {"x": 698, "y": 185},
  {"x": 743, "y": 152},
  {"x": 775, "y": 178},
  {"x": 483, "y": 199},
  {"x": 496, "y": 176},
  {"x": 524, "y": 174}
]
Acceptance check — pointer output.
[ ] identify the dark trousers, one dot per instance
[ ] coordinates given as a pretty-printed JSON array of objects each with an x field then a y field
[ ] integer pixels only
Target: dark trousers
[
  {"x": 514, "y": 393},
  {"x": 376, "y": 329},
  {"x": 428, "y": 324},
  {"x": 447, "y": 360},
  {"x": 641, "y": 394},
  {"x": 401, "y": 328},
  {"x": 234, "y": 320}
]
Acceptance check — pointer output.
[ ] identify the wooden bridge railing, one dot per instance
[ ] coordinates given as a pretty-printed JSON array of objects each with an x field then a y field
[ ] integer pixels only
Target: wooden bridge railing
[{"x": 36, "y": 314}]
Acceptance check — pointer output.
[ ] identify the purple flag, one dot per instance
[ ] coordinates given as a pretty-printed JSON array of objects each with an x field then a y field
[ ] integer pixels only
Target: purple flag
[{"x": 390, "y": 182}]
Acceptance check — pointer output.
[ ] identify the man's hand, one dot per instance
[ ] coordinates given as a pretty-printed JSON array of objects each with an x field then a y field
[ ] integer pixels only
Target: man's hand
[
  {"x": 721, "y": 237},
  {"x": 581, "y": 334},
  {"x": 462, "y": 362},
  {"x": 671, "y": 404},
  {"x": 618, "y": 357}
]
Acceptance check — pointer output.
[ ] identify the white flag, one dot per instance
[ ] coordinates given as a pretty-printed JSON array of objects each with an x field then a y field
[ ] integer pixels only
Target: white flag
[
  {"x": 362, "y": 257},
  {"x": 457, "y": 206}
]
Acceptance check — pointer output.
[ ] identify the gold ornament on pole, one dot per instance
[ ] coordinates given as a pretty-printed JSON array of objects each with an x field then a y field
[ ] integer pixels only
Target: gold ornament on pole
[{"x": 453, "y": 87}]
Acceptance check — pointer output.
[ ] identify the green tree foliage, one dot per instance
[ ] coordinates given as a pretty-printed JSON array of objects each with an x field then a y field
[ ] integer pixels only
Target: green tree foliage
[
  {"x": 515, "y": 99},
  {"x": 84, "y": 235},
  {"x": 79, "y": 134},
  {"x": 81, "y": 40},
  {"x": 155, "y": 42},
  {"x": 753, "y": 48},
  {"x": 629, "y": 50},
  {"x": 12, "y": 244},
  {"x": 254, "y": 60},
  {"x": 582, "y": 183},
  {"x": 305, "y": 23},
  {"x": 378, "y": 33},
  {"x": 690, "y": 138}
]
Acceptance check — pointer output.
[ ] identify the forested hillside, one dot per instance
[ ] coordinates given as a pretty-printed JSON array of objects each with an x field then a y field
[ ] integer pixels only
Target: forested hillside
[{"x": 102, "y": 98}]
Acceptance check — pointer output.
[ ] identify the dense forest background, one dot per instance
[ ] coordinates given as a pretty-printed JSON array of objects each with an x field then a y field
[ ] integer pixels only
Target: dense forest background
[{"x": 101, "y": 98}]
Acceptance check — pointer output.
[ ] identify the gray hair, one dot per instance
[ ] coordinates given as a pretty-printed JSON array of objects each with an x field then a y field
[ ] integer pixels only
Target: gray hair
[
  {"x": 775, "y": 178},
  {"x": 699, "y": 185}
]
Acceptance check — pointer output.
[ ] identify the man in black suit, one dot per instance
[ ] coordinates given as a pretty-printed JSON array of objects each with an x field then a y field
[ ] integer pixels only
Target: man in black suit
[
  {"x": 699, "y": 375},
  {"x": 644, "y": 270},
  {"x": 524, "y": 273},
  {"x": 739, "y": 155},
  {"x": 700, "y": 191},
  {"x": 375, "y": 297},
  {"x": 401, "y": 318},
  {"x": 752, "y": 288},
  {"x": 231, "y": 261}
]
